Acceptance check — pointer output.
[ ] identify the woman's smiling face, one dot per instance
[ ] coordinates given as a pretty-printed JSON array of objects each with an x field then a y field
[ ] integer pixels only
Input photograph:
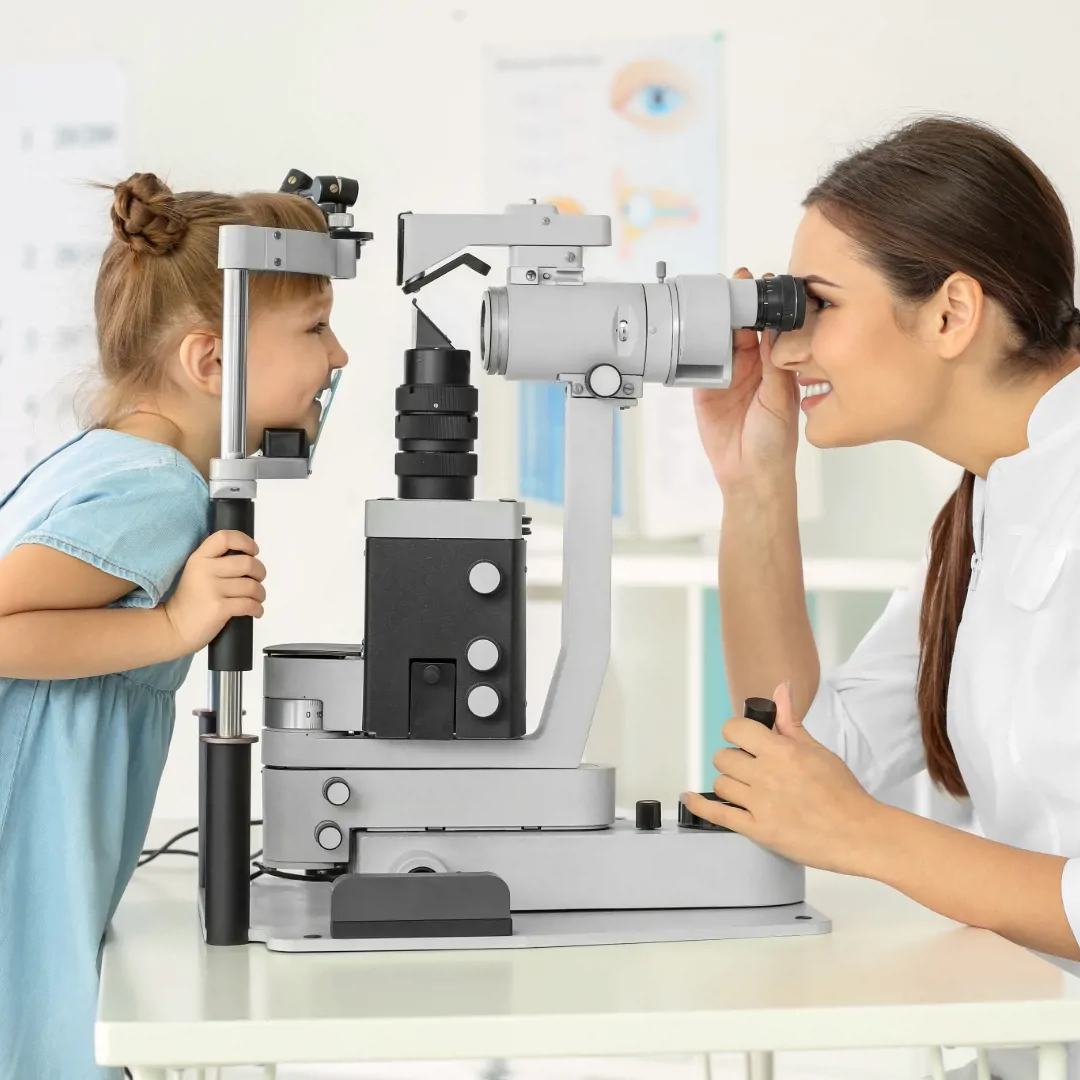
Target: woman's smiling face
[{"x": 867, "y": 375}]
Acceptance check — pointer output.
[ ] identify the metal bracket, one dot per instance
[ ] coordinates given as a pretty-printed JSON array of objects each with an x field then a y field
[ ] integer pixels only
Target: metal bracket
[
  {"x": 292, "y": 251},
  {"x": 633, "y": 387},
  {"x": 260, "y": 468}
]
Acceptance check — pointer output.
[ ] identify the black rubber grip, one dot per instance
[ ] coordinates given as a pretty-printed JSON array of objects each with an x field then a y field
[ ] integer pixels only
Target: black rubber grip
[
  {"x": 454, "y": 426},
  {"x": 415, "y": 464},
  {"x": 232, "y": 649},
  {"x": 440, "y": 399},
  {"x": 227, "y": 886}
]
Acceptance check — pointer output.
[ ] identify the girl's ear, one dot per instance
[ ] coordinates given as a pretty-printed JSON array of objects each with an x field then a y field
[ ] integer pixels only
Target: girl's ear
[{"x": 200, "y": 362}]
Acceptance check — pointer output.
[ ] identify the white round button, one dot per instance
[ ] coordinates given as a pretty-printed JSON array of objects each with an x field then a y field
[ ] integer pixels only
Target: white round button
[
  {"x": 483, "y": 701},
  {"x": 485, "y": 578},
  {"x": 337, "y": 792},
  {"x": 328, "y": 836},
  {"x": 483, "y": 654},
  {"x": 605, "y": 380}
]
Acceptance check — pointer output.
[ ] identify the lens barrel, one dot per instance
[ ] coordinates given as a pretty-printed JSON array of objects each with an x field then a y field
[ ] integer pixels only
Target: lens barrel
[
  {"x": 781, "y": 303},
  {"x": 436, "y": 426}
]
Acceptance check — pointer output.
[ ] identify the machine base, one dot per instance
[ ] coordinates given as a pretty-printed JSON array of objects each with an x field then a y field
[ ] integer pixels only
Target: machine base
[{"x": 290, "y": 916}]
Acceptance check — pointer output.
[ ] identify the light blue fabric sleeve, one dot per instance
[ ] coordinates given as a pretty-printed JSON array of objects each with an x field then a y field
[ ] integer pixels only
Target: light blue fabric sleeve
[{"x": 138, "y": 524}]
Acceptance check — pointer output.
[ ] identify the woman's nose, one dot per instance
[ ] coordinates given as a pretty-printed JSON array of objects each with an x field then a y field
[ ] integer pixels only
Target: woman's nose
[{"x": 791, "y": 348}]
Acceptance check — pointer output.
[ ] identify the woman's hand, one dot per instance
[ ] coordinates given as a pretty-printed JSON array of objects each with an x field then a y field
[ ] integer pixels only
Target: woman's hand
[
  {"x": 216, "y": 587},
  {"x": 753, "y": 426},
  {"x": 791, "y": 794}
]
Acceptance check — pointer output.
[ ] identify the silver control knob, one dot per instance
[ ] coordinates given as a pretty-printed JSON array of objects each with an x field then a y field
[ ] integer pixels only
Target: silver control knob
[
  {"x": 328, "y": 836},
  {"x": 605, "y": 380},
  {"x": 483, "y": 701},
  {"x": 336, "y": 792},
  {"x": 483, "y": 654},
  {"x": 485, "y": 578}
]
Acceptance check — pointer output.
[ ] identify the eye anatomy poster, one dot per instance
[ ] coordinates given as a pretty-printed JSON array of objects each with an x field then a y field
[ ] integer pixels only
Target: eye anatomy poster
[
  {"x": 632, "y": 130},
  {"x": 61, "y": 128}
]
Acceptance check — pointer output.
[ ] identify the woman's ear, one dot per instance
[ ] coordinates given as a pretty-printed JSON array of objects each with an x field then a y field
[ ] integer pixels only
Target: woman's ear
[
  {"x": 956, "y": 312},
  {"x": 200, "y": 362}
]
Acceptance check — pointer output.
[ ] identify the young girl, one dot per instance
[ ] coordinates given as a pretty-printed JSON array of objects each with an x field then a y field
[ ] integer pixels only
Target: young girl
[
  {"x": 108, "y": 585},
  {"x": 940, "y": 271}
]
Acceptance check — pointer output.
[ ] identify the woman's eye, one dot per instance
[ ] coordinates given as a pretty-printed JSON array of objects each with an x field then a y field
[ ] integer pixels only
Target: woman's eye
[{"x": 820, "y": 302}]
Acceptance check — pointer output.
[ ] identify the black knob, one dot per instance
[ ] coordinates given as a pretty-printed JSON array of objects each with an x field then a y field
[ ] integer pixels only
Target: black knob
[
  {"x": 432, "y": 674},
  {"x": 761, "y": 709},
  {"x": 648, "y": 814},
  {"x": 689, "y": 820}
]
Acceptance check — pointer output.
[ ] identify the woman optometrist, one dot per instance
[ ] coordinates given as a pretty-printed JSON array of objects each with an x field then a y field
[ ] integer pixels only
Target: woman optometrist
[{"x": 940, "y": 271}]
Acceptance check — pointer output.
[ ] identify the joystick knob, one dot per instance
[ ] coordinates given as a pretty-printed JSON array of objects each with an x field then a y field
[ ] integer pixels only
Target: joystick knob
[{"x": 763, "y": 710}]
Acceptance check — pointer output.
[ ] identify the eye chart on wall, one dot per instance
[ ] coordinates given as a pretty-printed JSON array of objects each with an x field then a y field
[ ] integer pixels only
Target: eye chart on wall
[
  {"x": 61, "y": 128},
  {"x": 633, "y": 130}
]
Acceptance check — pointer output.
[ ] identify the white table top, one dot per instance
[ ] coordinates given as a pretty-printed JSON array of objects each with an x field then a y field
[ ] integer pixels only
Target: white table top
[{"x": 891, "y": 974}]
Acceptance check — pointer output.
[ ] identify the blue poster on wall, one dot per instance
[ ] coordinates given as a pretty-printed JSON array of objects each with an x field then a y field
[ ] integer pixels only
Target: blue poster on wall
[{"x": 541, "y": 453}]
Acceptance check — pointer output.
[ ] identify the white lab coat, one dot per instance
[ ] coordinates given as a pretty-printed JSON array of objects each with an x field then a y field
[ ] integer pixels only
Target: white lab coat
[{"x": 1014, "y": 693}]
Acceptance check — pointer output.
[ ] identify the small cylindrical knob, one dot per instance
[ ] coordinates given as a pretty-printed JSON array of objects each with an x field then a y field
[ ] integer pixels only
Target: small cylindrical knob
[
  {"x": 605, "y": 380},
  {"x": 336, "y": 791},
  {"x": 761, "y": 709},
  {"x": 647, "y": 814},
  {"x": 689, "y": 820},
  {"x": 328, "y": 836},
  {"x": 483, "y": 654},
  {"x": 485, "y": 578},
  {"x": 483, "y": 701}
]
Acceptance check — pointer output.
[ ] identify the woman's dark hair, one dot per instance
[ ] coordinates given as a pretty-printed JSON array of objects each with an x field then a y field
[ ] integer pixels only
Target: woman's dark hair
[{"x": 938, "y": 196}]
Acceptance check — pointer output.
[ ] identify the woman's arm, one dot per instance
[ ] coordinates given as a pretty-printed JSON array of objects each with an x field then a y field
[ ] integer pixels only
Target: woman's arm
[
  {"x": 55, "y": 623},
  {"x": 1013, "y": 892},
  {"x": 790, "y": 793},
  {"x": 765, "y": 625}
]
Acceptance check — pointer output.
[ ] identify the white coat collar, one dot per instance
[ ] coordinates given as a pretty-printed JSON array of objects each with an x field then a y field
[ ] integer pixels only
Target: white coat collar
[{"x": 1035, "y": 494}]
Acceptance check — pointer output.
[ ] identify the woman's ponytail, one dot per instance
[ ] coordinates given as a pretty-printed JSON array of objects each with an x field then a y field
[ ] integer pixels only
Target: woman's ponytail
[{"x": 952, "y": 546}]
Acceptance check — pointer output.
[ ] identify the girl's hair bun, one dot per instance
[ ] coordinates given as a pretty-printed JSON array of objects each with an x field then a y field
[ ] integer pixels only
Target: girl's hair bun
[{"x": 145, "y": 216}]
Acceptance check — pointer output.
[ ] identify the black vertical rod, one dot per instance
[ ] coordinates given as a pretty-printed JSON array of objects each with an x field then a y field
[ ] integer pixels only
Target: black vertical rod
[
  {"x": 207, "y": 726},
  {"x": 227, "y": 890}
]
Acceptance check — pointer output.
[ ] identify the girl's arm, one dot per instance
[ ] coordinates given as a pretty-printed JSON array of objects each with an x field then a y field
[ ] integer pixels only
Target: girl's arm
[{"x": 54, "y": 622}]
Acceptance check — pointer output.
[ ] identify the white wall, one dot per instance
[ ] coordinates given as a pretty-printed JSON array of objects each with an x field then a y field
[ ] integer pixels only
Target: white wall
[{"x": 229, "y": 95}]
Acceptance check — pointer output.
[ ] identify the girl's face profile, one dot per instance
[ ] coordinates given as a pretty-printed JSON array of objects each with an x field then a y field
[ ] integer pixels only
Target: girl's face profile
[
  {"x": 873, "y": 379},
  {"x": 292, "y": 353}
]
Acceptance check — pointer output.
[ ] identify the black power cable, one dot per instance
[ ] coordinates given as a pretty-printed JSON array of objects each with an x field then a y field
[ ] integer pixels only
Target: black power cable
[{"x": 150, "y": 854}]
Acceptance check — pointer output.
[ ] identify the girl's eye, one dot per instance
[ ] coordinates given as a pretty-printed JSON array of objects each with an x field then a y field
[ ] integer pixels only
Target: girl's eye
[
  {"x": 820, "y": 301},
  {"x": 319, "y": 327}
]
